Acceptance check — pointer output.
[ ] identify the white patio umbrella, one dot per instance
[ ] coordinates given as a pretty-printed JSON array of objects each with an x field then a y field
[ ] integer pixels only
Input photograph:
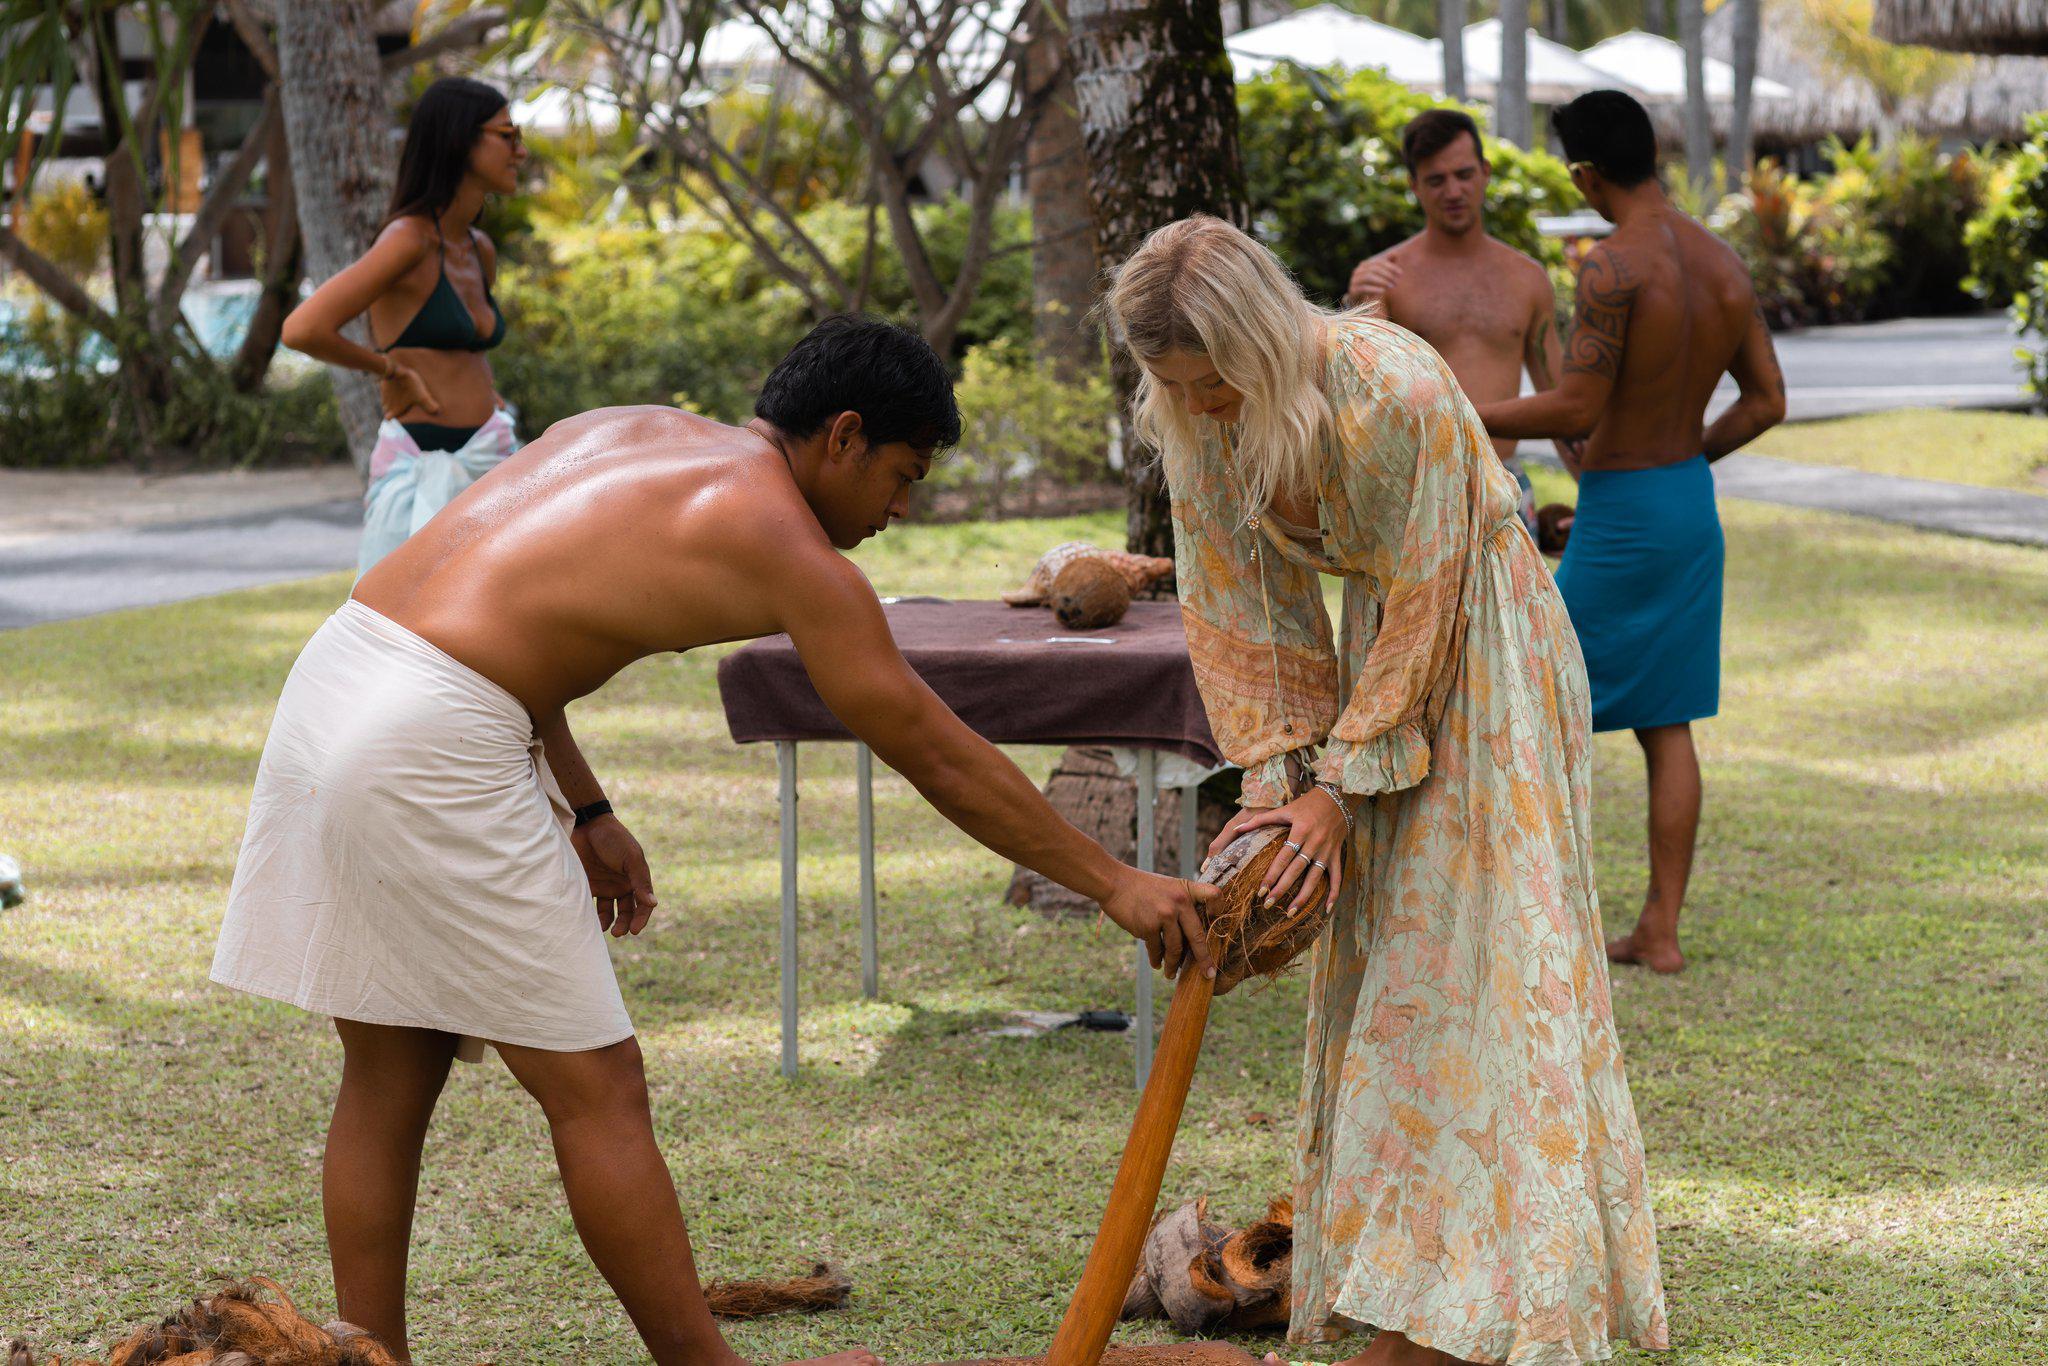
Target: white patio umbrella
[
  {"x": 1327, "y": 36},
  {"x": 1655, "y": 66},
  {"x": 1556, "y": 73}
]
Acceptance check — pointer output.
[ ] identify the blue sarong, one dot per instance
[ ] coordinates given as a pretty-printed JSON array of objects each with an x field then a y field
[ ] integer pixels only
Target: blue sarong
[{"x": 1641, "y": 577}]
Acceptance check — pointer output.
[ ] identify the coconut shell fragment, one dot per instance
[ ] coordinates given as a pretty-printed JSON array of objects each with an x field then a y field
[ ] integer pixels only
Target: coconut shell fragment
[{"x": 1088, "y": 595}]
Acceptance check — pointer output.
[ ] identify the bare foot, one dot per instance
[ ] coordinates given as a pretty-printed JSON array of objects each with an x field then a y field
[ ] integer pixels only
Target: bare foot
[
  {"x": 1656, "y": 952},
  {"x": 853, "y": 1356}
]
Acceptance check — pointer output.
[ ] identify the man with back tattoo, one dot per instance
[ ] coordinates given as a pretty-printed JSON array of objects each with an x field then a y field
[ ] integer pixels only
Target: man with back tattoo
[
  {"x": 1486, "y": 308},
  {"x": 1664, "y": 309}
]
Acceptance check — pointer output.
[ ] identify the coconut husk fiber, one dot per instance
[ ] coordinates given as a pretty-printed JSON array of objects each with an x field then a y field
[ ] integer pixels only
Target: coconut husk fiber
[
  {"x": 1252, "y": 940},
  {"x": 1168, "y": 1354},
  {"x": 1204, "y": 1278},
  {"x": 255, "y": 1323},
  {"x": 1140, "y": 573}
]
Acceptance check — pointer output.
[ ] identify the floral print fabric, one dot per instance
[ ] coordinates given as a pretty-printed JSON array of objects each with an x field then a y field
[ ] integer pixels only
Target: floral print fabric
[{"x": 1469, "y": 1171}]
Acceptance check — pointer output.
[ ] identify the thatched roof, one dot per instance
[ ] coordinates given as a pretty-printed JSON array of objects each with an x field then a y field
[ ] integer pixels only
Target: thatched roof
[
  {"x": 2010, "y": 27},
  {"x": 1988, "y": 99}
]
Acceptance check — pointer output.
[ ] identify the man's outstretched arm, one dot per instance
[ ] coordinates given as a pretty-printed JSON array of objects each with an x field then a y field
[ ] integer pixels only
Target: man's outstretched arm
[
  {"x": 1592, "y": 358},
  {"x": 843, "y": 639},
  {"x": 1760, "y": 404}
]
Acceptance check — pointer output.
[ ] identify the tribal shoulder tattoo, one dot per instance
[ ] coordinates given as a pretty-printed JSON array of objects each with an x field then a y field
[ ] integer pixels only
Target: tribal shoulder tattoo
[{"x": 1607, "y": 290}]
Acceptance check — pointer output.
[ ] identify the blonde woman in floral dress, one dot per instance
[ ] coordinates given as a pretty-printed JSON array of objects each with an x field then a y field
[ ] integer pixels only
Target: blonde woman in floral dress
[{"x": 1469, "y": 1174}]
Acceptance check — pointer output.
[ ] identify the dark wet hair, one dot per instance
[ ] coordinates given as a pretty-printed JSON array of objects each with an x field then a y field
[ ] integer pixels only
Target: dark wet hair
[
  {"x": 1612, "y": 132},
  {"x": 445, "y": 126},
  {"x": 853, "y": 363},
  {"x": 1433, "y": 130}
]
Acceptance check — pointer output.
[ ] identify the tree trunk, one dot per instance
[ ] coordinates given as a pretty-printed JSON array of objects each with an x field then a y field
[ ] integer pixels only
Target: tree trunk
[
  {"x": 339, "y": 125},
  {"x": 1557, "y": 21},
  {"x": 284, "y": 260},
  {"x": 1450, "y": 22},
  {"x": 1657, "y": 18},
  {"x": 1158, "y": 110},
  {"x": 1511, "y": 100},
  {"x": 1062, "y": 238},
  {"x": 1748, "y": 35},
  {"x": 1699, "y": 136}
]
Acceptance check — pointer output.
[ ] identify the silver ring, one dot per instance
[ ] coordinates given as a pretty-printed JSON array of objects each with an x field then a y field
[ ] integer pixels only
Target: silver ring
[
  {"x": 1320, "y": 864},
  {"x": 1292, "y": 845}
]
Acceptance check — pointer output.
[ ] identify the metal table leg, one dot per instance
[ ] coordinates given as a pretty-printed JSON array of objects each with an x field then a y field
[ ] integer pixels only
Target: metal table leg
[
  {"x": 1148, "y": 798},
  {"x": 870, "y": 954},
  {"x": 785, "y": 759},
  {"x": 1190, "y": 856}
]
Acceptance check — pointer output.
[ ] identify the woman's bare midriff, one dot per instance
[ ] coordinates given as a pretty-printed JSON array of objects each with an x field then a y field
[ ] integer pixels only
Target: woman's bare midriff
[{"x": 460, "y": 382}]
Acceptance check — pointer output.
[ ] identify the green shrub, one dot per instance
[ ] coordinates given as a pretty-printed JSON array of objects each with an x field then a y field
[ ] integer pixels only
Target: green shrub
[
  {"x": 1323, "y": 170},
  {"x": 1814, "y": 260},
  {"x": 1023, "y": 427},
  {"x": 2009, "y": 235},
  {"x": 68, "y": 226},
  {"x": 1921, "y": 199},
  {"x": 2030, "y": 318}
]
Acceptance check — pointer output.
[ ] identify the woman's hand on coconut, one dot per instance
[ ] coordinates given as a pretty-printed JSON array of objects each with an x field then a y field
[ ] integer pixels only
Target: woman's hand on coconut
[
  {"x": 617, "y": 869},
  {"x": 1164, "y": 913},
  {"x": 1311, "y": 863}
]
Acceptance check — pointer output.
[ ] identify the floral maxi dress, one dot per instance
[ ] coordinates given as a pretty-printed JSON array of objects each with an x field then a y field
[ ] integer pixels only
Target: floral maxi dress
[{"x": 1468, "y": 1168}]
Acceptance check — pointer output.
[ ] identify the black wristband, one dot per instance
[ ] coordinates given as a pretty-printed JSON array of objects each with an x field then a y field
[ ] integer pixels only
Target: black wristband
[{"x": 586, "y": 814}]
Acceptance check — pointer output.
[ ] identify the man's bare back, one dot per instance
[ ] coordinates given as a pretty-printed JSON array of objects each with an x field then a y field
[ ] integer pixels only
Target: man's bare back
[
  {"x": 619, "y": 534},
  {"x": 1665, "y": 308},
  {"x": 1486, "y": 308}
]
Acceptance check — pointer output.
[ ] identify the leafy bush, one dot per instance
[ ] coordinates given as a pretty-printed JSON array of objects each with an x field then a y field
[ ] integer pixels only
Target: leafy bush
[
  {"x": 55, "y": 412},
  {"x": 1813, "y": 259},
  {"x": 1327, "y": 187},
  {"x": 2009, "y": 235},
  {"x": 624, "y": 315},
  {"x": 1921, "y": 199},
  {"x": 67, "y": 225},
  {"x": 1023, "y": 427}
]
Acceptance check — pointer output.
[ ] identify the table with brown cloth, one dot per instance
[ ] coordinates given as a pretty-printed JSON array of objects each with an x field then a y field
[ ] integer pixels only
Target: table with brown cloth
[{"x": 1015, "y": 676}]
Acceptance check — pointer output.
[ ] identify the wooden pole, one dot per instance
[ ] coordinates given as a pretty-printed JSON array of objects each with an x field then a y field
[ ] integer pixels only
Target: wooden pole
[{"x": 1099, "y": 1299}]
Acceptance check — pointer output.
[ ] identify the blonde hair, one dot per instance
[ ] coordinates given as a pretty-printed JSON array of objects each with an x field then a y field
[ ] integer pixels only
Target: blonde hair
[{"x": 1202, "y": 287}]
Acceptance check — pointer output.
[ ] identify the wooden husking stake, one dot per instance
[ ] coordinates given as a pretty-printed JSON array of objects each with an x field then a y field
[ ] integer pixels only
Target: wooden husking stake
[{"x": 1099, "y": 1299}]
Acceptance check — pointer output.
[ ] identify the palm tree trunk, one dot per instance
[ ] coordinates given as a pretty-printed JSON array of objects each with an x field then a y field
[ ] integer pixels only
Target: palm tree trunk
[
  {"x": 1657, "y": 18},
  {"x": 1748, "y": 35},
  {"x": 1699, "y": 137},
  {"x": 1062, "y": 237},
  {"x": 1450, "y": 23},
  {"x": 1158, "y": 112},
  {"x": 339, "y": 125},
  {"x": 1556, "y": 21},
  {"x": 1511, "y": 99}
]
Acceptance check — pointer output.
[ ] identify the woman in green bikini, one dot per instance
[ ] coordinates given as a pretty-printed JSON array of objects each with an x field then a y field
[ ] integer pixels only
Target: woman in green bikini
[{"x": 426, "y": 286}]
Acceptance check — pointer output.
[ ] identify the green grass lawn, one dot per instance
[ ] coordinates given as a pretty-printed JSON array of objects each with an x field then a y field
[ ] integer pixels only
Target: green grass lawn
[
  {"x": 1845, "y": 1098},
  {"x": 1996, "y": 450}
]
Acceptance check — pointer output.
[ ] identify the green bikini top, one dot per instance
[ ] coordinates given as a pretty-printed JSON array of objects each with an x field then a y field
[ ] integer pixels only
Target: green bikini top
[{"x": 444, "y": 322}]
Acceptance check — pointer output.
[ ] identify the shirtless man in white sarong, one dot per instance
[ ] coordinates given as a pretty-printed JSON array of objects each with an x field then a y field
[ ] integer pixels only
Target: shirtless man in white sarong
[{"x": 366, "y": 891}]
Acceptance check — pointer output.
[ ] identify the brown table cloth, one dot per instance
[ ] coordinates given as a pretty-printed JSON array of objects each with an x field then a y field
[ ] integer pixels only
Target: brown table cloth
[{"x": 1013, "y": 674}]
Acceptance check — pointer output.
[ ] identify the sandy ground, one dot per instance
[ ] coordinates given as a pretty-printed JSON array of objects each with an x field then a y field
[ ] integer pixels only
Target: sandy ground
[{"x": 39, "y": 503}]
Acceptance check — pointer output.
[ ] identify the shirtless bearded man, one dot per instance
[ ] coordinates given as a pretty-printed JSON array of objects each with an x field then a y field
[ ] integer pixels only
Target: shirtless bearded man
[
  {"x": 1664, "y": 309},
  {"x": 1486, "y": 308},
  {"x": 425, "y": 838}
]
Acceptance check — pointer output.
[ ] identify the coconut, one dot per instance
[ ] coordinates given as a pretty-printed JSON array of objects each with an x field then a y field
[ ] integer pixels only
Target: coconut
[{"x": 1090, "y": 594}]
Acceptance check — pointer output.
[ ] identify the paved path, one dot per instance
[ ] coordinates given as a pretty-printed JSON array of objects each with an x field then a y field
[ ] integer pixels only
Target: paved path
[
  {"x": 53, "y": 578},
  {"x": 1959, "y": 509},
  {"x": 1905, "y": 363}
]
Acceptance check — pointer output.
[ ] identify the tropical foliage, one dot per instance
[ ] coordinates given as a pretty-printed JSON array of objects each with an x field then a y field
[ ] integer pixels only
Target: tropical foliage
[
  {"x": 1323, "y": 164},
  {"x": 2008, "y": 245}
]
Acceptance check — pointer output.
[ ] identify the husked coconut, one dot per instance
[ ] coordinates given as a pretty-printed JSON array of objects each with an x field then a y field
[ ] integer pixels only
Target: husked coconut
[{"x": 1089, "y": 594}]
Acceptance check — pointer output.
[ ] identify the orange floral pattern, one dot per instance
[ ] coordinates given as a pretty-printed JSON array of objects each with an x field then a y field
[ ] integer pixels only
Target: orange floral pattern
[{"x": 1468, "y": 1169}]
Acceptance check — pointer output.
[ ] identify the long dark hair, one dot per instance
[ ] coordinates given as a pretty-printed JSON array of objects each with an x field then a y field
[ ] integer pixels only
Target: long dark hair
[{"x": 445, "y": 125}]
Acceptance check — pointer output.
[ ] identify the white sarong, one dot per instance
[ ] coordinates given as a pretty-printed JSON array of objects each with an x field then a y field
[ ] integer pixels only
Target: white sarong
[{"x": 407, "y": 860}]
